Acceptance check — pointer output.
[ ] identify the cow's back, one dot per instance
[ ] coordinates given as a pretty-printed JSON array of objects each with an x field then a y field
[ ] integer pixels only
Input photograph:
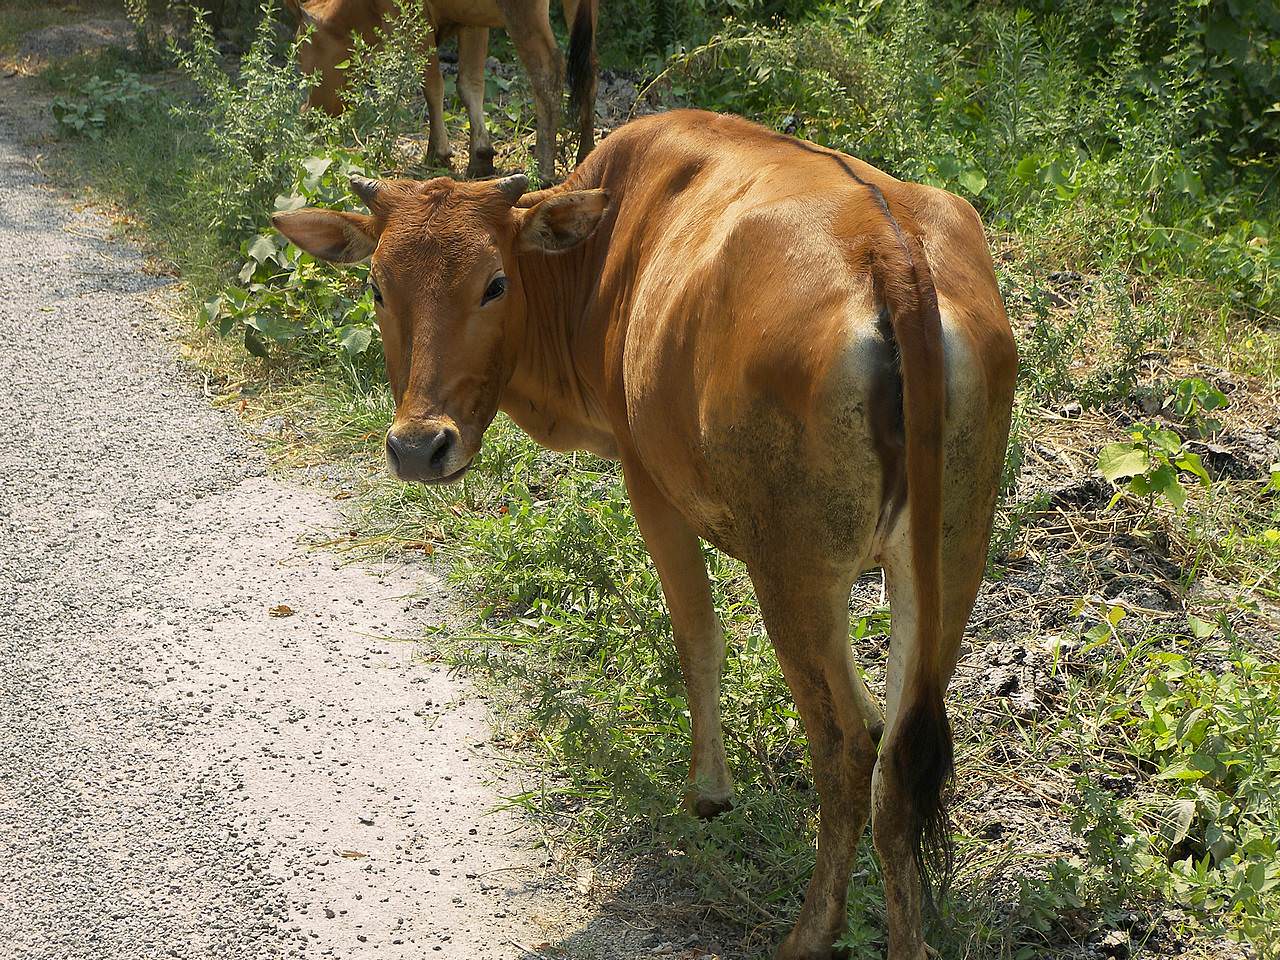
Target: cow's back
[{"x": 750, "y": 336}]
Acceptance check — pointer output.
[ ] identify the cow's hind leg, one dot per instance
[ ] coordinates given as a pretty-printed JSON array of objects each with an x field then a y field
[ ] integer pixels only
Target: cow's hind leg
[
  {"x": 975, "y": 454},
  {"x": 807, "y": 616},
  {"x": 438, "y": 150},
  {"x": 529, "y": 27},
  {"x": 473, "y": 48}
]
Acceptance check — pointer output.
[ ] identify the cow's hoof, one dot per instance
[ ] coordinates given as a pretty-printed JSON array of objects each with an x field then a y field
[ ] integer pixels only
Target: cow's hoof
[
  {"x": 796, "y": 947},
  {"x": 706, "y": 806},
  {"x": 481, "y": 164},
  {"x": 439, "y": 156}
]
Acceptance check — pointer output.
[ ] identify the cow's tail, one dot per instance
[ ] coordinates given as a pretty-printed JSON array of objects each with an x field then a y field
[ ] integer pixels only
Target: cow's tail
[
  {"x": 920, "y": 746},
  {"x": 582, "y": 52}
]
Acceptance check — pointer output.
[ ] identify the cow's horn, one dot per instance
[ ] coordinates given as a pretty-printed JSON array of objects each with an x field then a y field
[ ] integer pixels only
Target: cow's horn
[
  {"x": 366, "y": 189},
  {"x": 512, "y": 187}
]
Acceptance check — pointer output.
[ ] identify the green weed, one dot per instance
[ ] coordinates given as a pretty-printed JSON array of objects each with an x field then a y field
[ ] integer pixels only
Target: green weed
[
  {"x": 1152, "y": 466},
  {"x": 100, "y": 103}
]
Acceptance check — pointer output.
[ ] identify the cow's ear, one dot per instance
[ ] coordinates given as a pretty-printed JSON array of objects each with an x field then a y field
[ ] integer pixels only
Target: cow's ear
[
  {"x": 332, "y": 235},
  {"x": 561, "y": 221},
  {"x": 303, "y": 15}
]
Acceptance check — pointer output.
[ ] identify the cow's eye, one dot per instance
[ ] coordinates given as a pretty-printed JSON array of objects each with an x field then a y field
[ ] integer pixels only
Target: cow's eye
[
  {"x": 497, "y": 287},
  {"x": 377, "y": 294}
]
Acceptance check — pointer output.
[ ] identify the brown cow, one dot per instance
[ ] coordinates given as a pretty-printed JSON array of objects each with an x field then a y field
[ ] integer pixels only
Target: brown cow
[
  {"x": 528, "y": 23},
  {"x": 796, "y": 357}
]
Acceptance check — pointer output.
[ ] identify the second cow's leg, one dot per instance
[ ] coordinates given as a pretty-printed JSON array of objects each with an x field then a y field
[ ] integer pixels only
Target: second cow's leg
[
  {"x": 807, "y": 616},
  {"x": 699, "y": 639},
  {"x": 438, "y": 150},
  {"x": 529, "y": 27},
  {"x": 473, "y": 49}
]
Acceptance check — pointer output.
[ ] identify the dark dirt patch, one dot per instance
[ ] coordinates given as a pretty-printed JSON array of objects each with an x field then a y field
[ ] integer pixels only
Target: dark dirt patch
[{"x": 64, "y": 40}]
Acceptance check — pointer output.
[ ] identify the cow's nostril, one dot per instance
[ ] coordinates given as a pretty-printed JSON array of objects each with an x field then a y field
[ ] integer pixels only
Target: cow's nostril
[
  {"x": 439, "y": 448},
  {"x": 394, "y": 450}
]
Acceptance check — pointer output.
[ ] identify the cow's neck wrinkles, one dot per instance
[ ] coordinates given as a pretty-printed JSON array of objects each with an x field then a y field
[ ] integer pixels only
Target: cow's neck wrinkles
[{"x": 554, "y": 393}]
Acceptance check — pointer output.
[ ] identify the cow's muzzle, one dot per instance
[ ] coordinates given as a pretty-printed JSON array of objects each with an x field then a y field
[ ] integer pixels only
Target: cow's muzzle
[{"x": 426, "y": 453}]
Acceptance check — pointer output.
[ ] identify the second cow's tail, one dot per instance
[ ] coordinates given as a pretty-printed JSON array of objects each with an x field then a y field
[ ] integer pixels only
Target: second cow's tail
[
  {"x": 921, "y": 745},
  {"x": 582, "y": 51}
]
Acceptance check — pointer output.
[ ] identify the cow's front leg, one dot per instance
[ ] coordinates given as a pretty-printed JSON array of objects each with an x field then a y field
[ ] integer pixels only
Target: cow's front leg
[
  {"x": 699, "y": 639},
  {"x": 473, "y": 48}
]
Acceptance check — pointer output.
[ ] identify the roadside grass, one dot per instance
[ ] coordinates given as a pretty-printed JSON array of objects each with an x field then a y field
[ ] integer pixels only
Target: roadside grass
[{"x": 1117, "y": 708}]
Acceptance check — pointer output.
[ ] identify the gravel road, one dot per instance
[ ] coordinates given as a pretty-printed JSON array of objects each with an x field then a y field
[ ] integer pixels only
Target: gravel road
[{"x": 182, "y": 773}]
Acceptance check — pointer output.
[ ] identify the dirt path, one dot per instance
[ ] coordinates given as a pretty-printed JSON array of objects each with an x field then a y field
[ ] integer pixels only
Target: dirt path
[{"x": 183, "y": 774}]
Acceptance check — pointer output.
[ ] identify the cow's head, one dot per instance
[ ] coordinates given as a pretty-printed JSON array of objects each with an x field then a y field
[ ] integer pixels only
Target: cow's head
[
  {"x": 445, "y": 275},
  {"x": 327, "y": 44}
]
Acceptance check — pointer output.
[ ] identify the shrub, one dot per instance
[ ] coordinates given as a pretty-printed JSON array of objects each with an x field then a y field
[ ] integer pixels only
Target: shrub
[
  {"x": 285, "y": 294},
  {"x": 255, "y": 130},
  {"x": 1212, "y": 732}
]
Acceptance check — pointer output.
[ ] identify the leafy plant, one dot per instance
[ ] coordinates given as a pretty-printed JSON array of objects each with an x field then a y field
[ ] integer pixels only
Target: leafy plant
[
  {"x": 253, "y": 127},
  {"x": 100, "y": 103},
  {"x": 383, "y": 93},
  {"x": 1212, "y": 732},
  {"x": 1151, "y": 466},
  {"x": 285, "y": 294},
  {"x": 1193, "y": 399}
]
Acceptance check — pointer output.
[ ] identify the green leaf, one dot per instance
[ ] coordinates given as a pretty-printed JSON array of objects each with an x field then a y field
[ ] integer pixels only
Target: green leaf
[
  {"x": 263, "y": 247},
  {"x": 355, "y": 340},
  {"x": 1203, "y": 763},
  {"x": 1027, "y": 169},
  {"x": 1164, "y": 481},
  {"x": 1166, "y": 440},
  {"x": 253, "y": 343},
  {"x": 273, "y": 327},
  {"x": 1118, "y": 460},
  {"x": 315, "y": 167},
  {"x": 1180, "y": 771},
  {"x": 973, "y": 180},
  {"x": 210, "y": 310},
  {"x": 1201, "y": 629},
  {"x": 1181, "y": 813},
  {"x": 1191, "y": 463}
]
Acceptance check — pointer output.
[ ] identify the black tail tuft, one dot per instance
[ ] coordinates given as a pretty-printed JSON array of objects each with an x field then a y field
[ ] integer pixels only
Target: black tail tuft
[
  {"x": 926, "y": 768},
  {"x": 582, "y": 53}
]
